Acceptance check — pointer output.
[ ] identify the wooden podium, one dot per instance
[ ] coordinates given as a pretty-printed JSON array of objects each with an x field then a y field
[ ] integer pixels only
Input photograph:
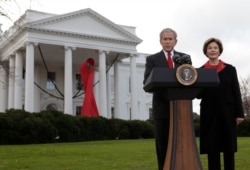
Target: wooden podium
[{"x": 182, "y": 152}]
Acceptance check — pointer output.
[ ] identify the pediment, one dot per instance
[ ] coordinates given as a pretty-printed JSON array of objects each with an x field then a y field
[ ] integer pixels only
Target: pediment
[{"x": 85, "y": 22}]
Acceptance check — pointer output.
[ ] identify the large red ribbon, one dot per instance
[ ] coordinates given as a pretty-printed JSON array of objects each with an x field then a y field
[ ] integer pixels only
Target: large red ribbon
[{"x": 89, "y": 107}]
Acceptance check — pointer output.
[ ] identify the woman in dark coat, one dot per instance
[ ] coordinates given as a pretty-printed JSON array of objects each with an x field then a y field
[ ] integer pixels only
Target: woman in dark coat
[{"x": 221, "y": 110}]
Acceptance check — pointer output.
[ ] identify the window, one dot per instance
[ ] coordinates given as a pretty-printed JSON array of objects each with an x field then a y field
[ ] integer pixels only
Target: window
[
  {"x": 78, "y": 80},
  {"x": 51, "y": 106},
  {"x": 23, "y": 79},
  {"x": 112, "y": 112},
  {"x": 78, "y": 110},
  {"x": 51, "y": 80}
]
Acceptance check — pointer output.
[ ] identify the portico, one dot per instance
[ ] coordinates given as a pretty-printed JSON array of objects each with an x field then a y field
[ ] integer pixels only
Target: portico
[{"x": 45, "y": 51}]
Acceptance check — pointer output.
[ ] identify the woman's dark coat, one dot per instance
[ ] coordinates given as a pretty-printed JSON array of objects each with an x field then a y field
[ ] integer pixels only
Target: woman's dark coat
[{"x": 219, "y": 108}]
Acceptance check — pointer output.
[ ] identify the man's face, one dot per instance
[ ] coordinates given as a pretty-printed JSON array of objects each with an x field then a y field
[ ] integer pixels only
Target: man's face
[{"x": 168, "y": 41}]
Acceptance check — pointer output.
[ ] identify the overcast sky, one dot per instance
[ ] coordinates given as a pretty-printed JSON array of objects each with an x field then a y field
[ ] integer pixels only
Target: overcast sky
[{"x": 194, "y": 20}]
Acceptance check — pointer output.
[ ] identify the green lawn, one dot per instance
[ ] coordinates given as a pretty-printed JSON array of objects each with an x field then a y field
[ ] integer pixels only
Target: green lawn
[
  {"x": 96, "y": 155},
  {"x": 242, "y": 157}
]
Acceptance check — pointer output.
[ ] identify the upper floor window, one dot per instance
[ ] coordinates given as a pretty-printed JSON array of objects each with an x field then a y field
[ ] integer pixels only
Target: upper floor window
[
  {"x": 78, "y": 82},
  {"x": 51, "y": 80},
  {"x": 112, "y": 112},
  {"x": 23, "y": 79}
]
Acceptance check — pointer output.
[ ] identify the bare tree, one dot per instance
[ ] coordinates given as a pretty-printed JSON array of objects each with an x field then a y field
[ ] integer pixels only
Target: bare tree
[
  {"x": 7, "y": 15},
  {"x": 4, "y": 10},
  {"x": 4, "y": 13},
  {"x": 245, "y": 92},
  {"x": 10, "y": 10}
]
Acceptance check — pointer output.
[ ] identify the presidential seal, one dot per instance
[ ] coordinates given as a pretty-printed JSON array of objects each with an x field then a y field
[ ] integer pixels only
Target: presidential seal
[{"x": 186, "y": 74}]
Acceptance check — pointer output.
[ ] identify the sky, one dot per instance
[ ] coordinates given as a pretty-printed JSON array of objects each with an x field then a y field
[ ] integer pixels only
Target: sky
[{"x": 194, "y": 20}]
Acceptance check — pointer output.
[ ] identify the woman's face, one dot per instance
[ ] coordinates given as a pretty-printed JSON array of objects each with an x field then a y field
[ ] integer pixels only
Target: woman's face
[{"x": 213, "y": 51}]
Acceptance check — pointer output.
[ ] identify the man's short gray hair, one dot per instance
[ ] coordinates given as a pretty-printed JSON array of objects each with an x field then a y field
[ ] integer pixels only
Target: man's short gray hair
[{"x": 168, "y": 30}]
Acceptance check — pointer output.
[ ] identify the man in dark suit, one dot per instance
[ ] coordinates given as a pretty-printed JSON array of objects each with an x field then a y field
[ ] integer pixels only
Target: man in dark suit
[{"x": 168, "y": 40}]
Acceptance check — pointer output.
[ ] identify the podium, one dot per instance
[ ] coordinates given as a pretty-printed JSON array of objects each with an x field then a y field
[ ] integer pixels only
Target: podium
[{"x": 182, "y": 152}]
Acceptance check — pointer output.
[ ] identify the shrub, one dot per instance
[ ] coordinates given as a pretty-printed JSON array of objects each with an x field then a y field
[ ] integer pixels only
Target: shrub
[
  {"x": 118, "y": 129},
  {"x": 99, "y": 128},
  {"x": 20, "y": 127},
  {"x": 135, "y": 128},
  {"x": 67, "y": 129},
  {"x": 243, "y": 129},
  {"x": 148, "y": 130}
]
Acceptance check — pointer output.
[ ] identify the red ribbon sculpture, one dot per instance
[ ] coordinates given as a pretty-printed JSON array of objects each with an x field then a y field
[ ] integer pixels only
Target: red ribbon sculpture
[{"x": 89, "y": 107}]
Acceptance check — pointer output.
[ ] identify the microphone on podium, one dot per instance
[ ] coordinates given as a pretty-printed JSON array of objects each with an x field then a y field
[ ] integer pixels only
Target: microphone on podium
[
  {"x": 186, "y": 59},
  {"x": 179, "y": 60}
]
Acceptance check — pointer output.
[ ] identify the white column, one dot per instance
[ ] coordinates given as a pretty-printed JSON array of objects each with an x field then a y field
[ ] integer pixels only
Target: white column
[
  {"x": 103, "y": 87},
  {"x": 3, "y": 89},
  {"x": 134, "y": 101},
  {"x": 116, "y": 90},
  {"x": 29, "y": 78},
  {"x": 108, "y": 96},
  {"x": 37, "y": 97},
  {"x": 11, "y": 82},
  {"x": 68, "y": 90},
  {"x": 96, "y": 89},
  {"x": 18, "y": 100}
]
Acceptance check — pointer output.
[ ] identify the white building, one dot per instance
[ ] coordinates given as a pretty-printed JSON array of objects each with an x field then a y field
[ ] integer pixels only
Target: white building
[{"x": 40, "y": 65}]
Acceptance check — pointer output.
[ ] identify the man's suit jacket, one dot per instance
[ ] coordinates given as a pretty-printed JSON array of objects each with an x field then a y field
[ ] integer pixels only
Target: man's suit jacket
[{"x": 160, "y": 104}]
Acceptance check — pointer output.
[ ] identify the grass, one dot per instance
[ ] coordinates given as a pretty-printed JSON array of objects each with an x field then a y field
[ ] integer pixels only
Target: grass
[
  {"x": 242, "y": 157},
  {"x": 95, "y": 155}
]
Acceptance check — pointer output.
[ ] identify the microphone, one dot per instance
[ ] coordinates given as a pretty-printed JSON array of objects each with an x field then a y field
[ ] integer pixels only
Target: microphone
[
  {"x": 177, "y": 59},
  {"x": 186, "y": 59}
]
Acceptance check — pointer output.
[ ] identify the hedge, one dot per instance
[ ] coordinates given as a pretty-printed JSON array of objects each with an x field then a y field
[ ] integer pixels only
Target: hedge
[{"x": 21, "y": 127}]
